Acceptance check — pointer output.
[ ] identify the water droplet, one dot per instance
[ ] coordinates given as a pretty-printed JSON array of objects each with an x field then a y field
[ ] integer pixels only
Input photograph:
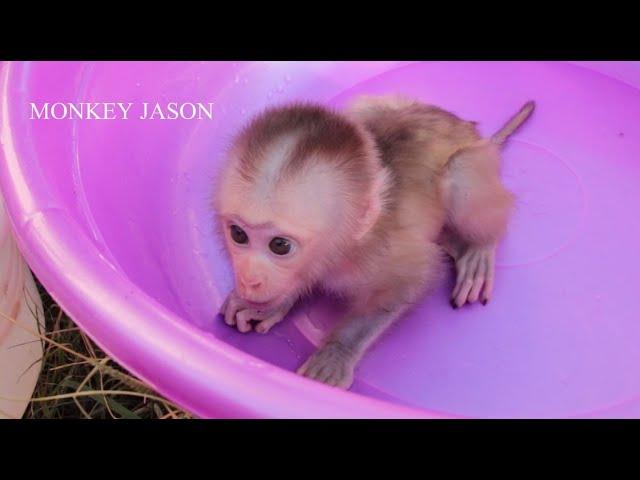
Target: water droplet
[
  {"x": 280, "y": 88},
  {"x": 137, "y": 84},
  {"x": 243, "y": 111},
  {"x": 270, "y": 94},
  {"x": 255, "y": 364},
  {"x": 237, "y": 79},
  {"x": 245, "y": 81},
  {"x": 289, "y": 343},
  {"x": 287, "y": 79}
]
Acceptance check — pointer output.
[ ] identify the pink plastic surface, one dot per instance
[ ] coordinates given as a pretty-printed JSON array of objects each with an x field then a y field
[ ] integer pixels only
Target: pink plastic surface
[{"x": 113, "y": 218}]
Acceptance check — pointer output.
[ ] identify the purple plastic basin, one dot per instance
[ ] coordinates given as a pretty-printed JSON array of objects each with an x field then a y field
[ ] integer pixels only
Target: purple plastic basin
[{"x": 113, "y": 217}]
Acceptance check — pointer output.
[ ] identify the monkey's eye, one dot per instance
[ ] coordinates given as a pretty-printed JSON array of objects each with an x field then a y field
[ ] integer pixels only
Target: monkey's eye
[
  {"x": 280, "y": 246},
  {"x": 238, "y": 235}
]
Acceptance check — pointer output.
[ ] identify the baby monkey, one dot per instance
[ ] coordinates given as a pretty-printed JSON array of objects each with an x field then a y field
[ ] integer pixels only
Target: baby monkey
[{"x": 365, "y": 205}]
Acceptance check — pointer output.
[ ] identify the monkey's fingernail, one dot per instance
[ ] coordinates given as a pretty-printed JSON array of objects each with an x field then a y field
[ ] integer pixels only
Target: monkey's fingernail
[
  {"x": 485, "y": 301},
  {"x": 453, "y": 304}
]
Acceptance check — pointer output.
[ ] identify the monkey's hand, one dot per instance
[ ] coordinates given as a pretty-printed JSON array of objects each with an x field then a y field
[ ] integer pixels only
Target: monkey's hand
[
  {"x": 475, "y": 273},
  {"x": 333, "y": 364},
  {"x": 237, "y": 313}
]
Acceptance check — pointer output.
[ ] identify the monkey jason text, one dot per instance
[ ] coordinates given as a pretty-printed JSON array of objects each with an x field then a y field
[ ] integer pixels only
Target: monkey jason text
[
  {"x": 365, "y": 204},
  {"x": 121, "y": 111}
]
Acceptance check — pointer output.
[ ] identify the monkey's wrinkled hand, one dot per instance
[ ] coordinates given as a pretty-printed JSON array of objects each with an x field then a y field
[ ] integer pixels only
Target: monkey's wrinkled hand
[
  {"x": 333, "y": 364},
  {"x": 237, "y": 313}
]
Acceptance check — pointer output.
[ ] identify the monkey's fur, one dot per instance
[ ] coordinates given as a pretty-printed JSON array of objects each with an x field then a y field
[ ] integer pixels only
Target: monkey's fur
[{"x": 373, "y": 199}]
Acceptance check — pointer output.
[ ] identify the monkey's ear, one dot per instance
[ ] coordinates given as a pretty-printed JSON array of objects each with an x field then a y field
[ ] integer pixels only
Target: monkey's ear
[{"x": 375, "y": 204}]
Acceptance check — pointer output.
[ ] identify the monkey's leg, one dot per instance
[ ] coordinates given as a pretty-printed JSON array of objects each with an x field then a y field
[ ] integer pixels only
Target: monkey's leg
[
  {"x": 335, "y": 362},
  {"x": 478, "y": 208}
]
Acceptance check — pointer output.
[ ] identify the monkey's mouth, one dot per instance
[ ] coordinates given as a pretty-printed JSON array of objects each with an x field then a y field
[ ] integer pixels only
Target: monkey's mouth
[{"x": 259, "y": 305}]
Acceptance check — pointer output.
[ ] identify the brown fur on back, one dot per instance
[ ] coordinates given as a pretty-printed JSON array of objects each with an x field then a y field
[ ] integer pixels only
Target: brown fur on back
[
  {"x": 412, "y": 137},
  {"x": 415, "y": 142}
]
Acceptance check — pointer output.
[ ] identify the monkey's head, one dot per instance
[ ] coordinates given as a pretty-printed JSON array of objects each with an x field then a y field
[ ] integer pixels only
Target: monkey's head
[{"x": 302, "y": 185}]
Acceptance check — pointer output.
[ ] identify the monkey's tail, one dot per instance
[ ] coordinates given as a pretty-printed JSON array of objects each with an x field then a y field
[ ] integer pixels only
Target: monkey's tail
[{"x": 513, "y": 124}]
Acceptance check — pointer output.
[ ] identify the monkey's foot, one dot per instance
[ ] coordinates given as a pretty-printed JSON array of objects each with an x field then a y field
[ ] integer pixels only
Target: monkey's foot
[
  {"x": 333, "y": 364},
  {"x": 475, "y": 273}
]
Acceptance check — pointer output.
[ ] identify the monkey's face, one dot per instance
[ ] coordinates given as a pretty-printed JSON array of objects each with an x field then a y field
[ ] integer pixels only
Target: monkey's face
[
  {"x": 276, "y": 238},
  {"x": 266, "y": 260}
]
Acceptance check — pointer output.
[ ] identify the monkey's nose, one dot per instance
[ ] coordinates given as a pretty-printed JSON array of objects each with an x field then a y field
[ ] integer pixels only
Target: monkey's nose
[{"x": 250, "y": 285}]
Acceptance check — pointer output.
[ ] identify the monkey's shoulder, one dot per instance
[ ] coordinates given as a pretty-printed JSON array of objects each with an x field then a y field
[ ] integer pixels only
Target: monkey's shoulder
[{"x": 399, "y": 254}]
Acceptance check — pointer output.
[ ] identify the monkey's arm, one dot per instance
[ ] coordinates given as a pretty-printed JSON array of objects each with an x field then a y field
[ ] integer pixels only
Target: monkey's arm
[
  {"x": 236, "y": 312},
  {"x": 335, "y": 362}
]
